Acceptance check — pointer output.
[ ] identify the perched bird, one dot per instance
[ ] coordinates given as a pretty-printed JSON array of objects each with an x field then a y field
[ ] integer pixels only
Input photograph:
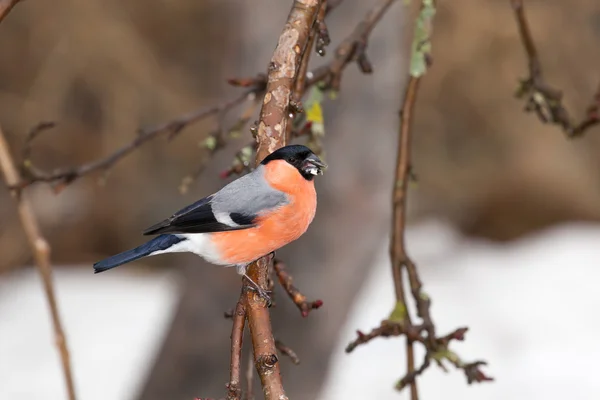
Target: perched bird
[{"x": 250, "y": 217}]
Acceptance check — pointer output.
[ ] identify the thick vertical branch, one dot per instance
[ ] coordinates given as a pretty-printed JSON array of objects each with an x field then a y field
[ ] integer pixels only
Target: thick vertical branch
[
  {"x": 274, "y": 118},
  {"x": 283, "y": 70},
  {"x": 41, "y": 252},
  {"x": 6, "y": 6}
]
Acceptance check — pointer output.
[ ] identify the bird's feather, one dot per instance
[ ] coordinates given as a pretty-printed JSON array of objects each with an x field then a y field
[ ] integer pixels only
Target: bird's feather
[
  {"x": 157, "y": 245},
  {"x": 236, "y": 206},
  {"x": 195, "y": 218}
]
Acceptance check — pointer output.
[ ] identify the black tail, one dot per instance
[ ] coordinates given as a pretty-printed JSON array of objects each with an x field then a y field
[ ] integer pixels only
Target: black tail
[{"x": 159, "y": 243}]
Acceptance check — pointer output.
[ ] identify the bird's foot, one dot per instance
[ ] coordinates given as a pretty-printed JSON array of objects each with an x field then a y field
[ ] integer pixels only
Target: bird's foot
[{"x": 261, "y": 292}]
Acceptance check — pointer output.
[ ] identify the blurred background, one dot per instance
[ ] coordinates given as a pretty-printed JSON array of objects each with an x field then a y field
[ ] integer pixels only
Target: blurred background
[{"x": 503, "y": 214}]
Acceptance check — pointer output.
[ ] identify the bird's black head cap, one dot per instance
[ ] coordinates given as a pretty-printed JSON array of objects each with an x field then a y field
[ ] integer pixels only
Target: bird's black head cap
[{"x": 301, "y": 157}]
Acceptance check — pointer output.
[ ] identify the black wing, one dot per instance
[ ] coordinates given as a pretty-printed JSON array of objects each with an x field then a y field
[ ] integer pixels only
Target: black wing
[{"x": 197, "y": 218}]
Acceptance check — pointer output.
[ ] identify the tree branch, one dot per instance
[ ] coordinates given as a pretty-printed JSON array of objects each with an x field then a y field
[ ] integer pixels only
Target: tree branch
[
  {"x": 285, "y": 279},
  {"x": 387, "y": 328},
  {"x": 350, "y": 50},
  {"x": 234, "y": 390},
  {"x": 171, "y": 128},
  {"x": 398, "y": 254},
  {"x": 219, "y": 140},
  {"x": 41, "y": 252},
  {"x": 542, "y": 99},
  {"x": 400, "y": 323},
  {"x": 300, "y": 84},
  {"x": 353, "y": 48},
  {"x": 287, "y": 351},
  {"x": 272, "y": 124},
  {"x": 397, "y": 244}
]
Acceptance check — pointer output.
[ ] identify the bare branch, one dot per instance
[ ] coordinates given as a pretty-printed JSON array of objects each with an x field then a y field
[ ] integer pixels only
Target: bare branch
[
  {"x": 350, "y": 50},
  {"x": 386, "y": 329},
  {"x": 400, "y": 323},
  {"x": 300, "y": 84},
  {"x": 285, "y": 279},
  {"x": 411, "y": 375},
  {"x": 397, "y": 245},
  {"x": 353, "y": 48},
  {"x": 171, "y": 128},
  {"x": 287, "y": 351},
  {"x": 272, "y": 124},
  {"x": 234, "y": 390},
  {"x": 219, "y": 140},
  {"x": 41, "y": 252},
  {"x": 541, "y": 98},
  {"x": 283, "y": 69}
]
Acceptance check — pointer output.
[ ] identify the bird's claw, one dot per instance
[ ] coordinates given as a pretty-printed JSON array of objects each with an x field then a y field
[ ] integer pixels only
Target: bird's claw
[
  {"x": 264, "y": 294},
  {"x": 261, "y": 292}
]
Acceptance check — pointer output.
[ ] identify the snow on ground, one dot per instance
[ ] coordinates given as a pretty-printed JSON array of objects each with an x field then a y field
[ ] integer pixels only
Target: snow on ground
[
  {"x": 114, "y": 325},
  {"x": 531, "y": 305}
]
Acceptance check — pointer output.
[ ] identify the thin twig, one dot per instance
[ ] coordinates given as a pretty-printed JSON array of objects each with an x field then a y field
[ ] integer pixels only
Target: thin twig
[
  {"x": 541, "y": 98},
  {"x": 33, "y": 134},
  {"x": 274, "y": 117},
  {"x": 398, "y": 253},
  {"x": 6, "y": 6},
  {"x": 411, "y": 376},
  {"x": 218, "y": 141},
  {"x": 400, "y": 323},
  {"x": 300, "y": 83},
  {"x": 322, "y": 32},
  {"x": 41, "y": 252},
  {"x": 353, "y": 48},
  {"x": 234, "y": 390},
  {"x": 285, "y": 279},
  {"x": 386, "y": 329},
  {"x": 287, "y": 351},
  {"x": 173, "y": 127}
]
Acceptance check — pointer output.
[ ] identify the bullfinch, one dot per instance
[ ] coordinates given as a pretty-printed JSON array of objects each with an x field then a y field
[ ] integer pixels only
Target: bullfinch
[{"x": 247, "y": 219}]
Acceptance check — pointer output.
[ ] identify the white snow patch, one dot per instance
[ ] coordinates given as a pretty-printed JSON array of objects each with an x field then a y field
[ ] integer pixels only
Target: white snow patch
[
  {"x": 531, "y": 306},
  {"x": 114, "y": 323}
]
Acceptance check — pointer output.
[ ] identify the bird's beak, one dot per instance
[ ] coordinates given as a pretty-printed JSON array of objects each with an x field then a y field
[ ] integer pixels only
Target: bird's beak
[{"x": 314, "y": 165}]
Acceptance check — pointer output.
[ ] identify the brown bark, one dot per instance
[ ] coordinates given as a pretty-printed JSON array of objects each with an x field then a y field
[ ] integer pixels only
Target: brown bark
[
  {"x": 283, "y": 69},
  {"x": 234, "y": 390},
  {"x": 274, "y": 116}
]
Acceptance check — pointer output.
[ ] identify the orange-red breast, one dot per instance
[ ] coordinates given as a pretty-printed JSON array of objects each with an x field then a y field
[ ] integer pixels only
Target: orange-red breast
[{"x": 249, "y": 218}]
